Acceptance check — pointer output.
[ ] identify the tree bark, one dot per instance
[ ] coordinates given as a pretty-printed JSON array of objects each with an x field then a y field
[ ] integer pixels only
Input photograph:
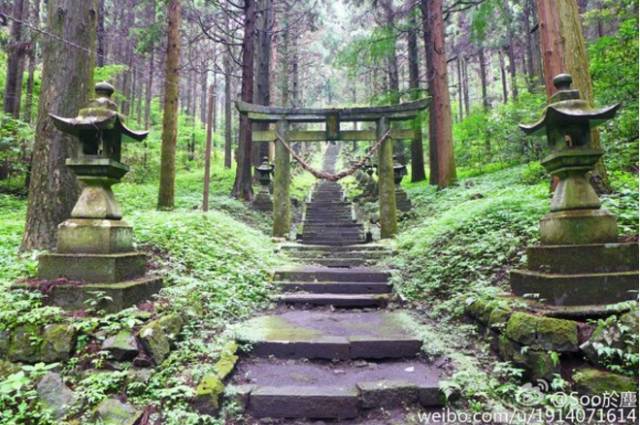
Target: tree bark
[
  {"x": 483, "y": 78},
  {"x": 503, "y": 77},
  {"x": 207, "y": 150},
  {"x": 227, "y": 108},
  {"x": 262, "y": 95},
  {"x": 417, "y": 152},
  {"x": 67, "y": 81},
  {"x": 242, "y": 187},
  {"x": 102, "y": 43},
  {"x": 166, "y": 194},
  {"x": 33, "y": 58},
  {"x": 15, "y": 62},
  {"x": 563, "y": 49},
  {"x": 440, "y": 132}
]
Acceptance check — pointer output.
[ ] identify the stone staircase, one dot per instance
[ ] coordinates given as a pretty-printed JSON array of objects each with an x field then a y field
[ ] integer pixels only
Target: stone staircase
[{"x": 332, "y": 349}]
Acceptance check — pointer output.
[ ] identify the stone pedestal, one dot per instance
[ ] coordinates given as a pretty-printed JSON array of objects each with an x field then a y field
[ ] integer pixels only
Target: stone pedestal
[
  {"x": 263, "y": 201},
  {"x": 403, "y": 203}
]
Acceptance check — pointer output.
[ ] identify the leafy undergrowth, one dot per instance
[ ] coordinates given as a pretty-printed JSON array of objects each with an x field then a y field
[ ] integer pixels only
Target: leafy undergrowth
[
  {"x": 215, "y": 267},
  {"x": 461, "y": 242}
]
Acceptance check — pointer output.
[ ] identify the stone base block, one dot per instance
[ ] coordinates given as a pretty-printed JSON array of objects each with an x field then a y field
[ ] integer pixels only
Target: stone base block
[
  {"x": 94, "y": 236},
  {"x": 403, "y": 203},
  {"x": 593, "y": 258},
  {"x": 576, "y": 289},
  {"x": 263, "y": 202},
  {"x": 576, "y": 227},
  {"x": 92, "y": 268},
  {"x": 122, "y": 294}
]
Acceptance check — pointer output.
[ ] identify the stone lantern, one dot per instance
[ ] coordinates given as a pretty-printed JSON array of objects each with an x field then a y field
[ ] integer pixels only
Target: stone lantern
[
  {"x": 95, "y": 246},
  {"x": 263, "y": 201},
  {"x": 579, "y": 261},
  {"x": 399, "y": 171}
]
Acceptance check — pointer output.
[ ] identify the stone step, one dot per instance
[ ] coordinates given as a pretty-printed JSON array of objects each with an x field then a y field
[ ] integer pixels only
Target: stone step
[
  {"x": 337, "y": 262},
  {"x": 333, "y": 242},
  {"x": 338, "y": 287},
  {"x": 331, "y": 335},
  {"x": 334, "y": 225},
  {"x": 326, "y": 254},
  {"x": 313, "y": 274},
  {"x": 335, "y": 300},
  {"x": 364, "y": 247},
  {"x": 296, "y": 389}
]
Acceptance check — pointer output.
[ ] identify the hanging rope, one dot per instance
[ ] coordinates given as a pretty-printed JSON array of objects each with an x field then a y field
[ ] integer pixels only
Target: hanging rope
[{"x": 342, "y": 174}]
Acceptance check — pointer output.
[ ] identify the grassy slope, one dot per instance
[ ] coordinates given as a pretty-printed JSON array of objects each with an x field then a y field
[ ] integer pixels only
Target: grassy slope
[
  {"x": 462, "y": 241},
  {"x": 215, "y": 267}
]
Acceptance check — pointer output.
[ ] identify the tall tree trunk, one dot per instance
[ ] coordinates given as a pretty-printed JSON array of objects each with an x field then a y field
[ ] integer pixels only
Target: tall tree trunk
[
  {"x": 15, "y": 60},
  {"x": 465, "y": 88},
  {"x": 204, "y": 82},
  {"x": 207, "y": 150},
  {"x": 511, "y": 49},
  {"x": 262, "y": 95},
  {"x": 242, "y": 186},
  {"x": 563, "y": 50},
  {"x": 166, "y": 194},
  {"x": 503, "y": 77},
  {"x": 417, "y": 153},
  {"x": 227, "y": 107},
  {"x": 483, "y": 78},
  {"x": 440, "y": 132},
  {"x": 67, "y": 81},
  {"x": 531, "y": 66},
  {"x": 460, "y": 86},
  {"x": 149, "y": 90},
  {"x": 102, "y": 42},
  {"x": 33, "y": 58}
]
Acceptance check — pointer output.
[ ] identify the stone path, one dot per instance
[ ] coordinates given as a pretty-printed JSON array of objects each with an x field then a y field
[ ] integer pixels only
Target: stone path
[{"x": 333, "y": 350}]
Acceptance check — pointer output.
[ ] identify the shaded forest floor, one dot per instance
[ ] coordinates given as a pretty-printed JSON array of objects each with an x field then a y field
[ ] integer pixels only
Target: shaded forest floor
[{"x": 455, "y": 244}]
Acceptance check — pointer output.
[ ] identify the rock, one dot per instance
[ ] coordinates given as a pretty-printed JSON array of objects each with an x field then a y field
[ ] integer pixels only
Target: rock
[
  {"x": 155, "y": 341},
  {"x": 112, "y": 411},
  {"x": 7, "y": 368},
  {"x": 171, "y": 324},
  {"x": 239, "y": 394},
  {"x": 387, "y": 393},
  {"x": 498, "y": 318},
  {"x": 55, "y": 396},
  {"x": 58, "y": 342},
  {"x": 207, "y": 394},
  {"x": 122, "y": 346},
  {"x": 543, "y": 333},
  {"x": 139, "y": 375},
  {"x": 5, "y": 341},
  {"x": 228, "y": 358},
  {"x": 25, "y": 344},
  {"x": 594, "y": 381},
  {"x": 538, "y": 364}
]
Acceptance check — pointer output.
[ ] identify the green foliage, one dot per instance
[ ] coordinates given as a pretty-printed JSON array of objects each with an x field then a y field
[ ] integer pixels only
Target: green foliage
[{"x": 16, "y": 142}]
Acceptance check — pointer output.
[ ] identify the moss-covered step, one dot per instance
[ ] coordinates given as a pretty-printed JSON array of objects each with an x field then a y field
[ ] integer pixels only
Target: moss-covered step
[
  {"x": 312, "y": 273},
  {"x": 595, "y": 381},
  {"x": 113, "y": 296},
  {"x": 337, "y": 287},
  {"x": 543, "y": 333},
  {"x": 335, "y": 300},
  {"x": 94, "y": 268},
  {"x": 576, "y": 289},
  {"x": 580, "y": 259},
  {"x": 299, "y": 389},
  {"x": 331, "y": 335}
]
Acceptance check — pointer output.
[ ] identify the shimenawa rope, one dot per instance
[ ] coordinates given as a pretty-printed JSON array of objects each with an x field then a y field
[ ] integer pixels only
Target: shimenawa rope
[{"x": 342, "y": 174}]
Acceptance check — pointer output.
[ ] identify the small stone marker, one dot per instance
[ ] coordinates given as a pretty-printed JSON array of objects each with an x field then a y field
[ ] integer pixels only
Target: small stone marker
[
  {"x": 95, "y": 246},
  {"x": 580, "y": 261},
  {"x": 399, "y": 171},
  {"x": 263, "y": 201}
]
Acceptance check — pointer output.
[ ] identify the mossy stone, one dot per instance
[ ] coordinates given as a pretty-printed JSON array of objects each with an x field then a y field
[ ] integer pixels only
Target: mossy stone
[
  {"x": 7, "y": 368},
  {"x": 537, "y": 364},
  {"x": 55, "y": 396},
  {"x": 25, "y": 344},
  {"x": 595, "y": 381},
  {"x": 228, "y": 358},
  {"x": 171, "y": 324},
  {"x": 5, "y": 341},
  {"x": 208, "y": 392},
  {"x": 543, "y": 333},
  {"x": 58, "y": 342},
  {"x": 155, "y": 341},
  {"x": 498, "y": 317},
  {"x": 122, "y": 346},
  {"x": 113, "y": 412}
]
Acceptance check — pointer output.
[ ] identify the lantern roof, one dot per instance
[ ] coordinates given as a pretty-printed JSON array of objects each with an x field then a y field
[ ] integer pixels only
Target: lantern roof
[
  {"x": 567, "y": 108},
  {"x": 100, "y": 114}
]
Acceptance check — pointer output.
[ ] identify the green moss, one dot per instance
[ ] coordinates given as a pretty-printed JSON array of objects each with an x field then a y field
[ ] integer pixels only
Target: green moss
[
  {"x": 543, "y": 333},
  {"x": 209, "y": 390},
  {"x": 594, "y": 381},
  {"x": 228, "y": 358},
  {"x": 58, "y": 342}
]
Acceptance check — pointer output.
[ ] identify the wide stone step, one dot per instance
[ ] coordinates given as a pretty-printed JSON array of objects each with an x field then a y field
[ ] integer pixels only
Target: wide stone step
[
  {"x": 338, "y": 287},
  {"x": 365, "y": 247},
  {"x": 333, "y": 242},
  {"x": 336, "y": 262},
  {"x": 335, "y": 300},
  {"x": 314, "y": 274},
  {"x": 326, "y": 254},
  {"x": 341, "y": 390},
  {"x": 331, "y": 335}
]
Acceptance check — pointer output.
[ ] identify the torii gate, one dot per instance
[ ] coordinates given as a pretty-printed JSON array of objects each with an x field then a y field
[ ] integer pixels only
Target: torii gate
[{"x": 332, "y": 118}]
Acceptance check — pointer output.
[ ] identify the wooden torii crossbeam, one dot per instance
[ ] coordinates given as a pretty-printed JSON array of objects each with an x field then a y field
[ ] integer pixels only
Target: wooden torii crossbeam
[{"x": 332, "y": 117}]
